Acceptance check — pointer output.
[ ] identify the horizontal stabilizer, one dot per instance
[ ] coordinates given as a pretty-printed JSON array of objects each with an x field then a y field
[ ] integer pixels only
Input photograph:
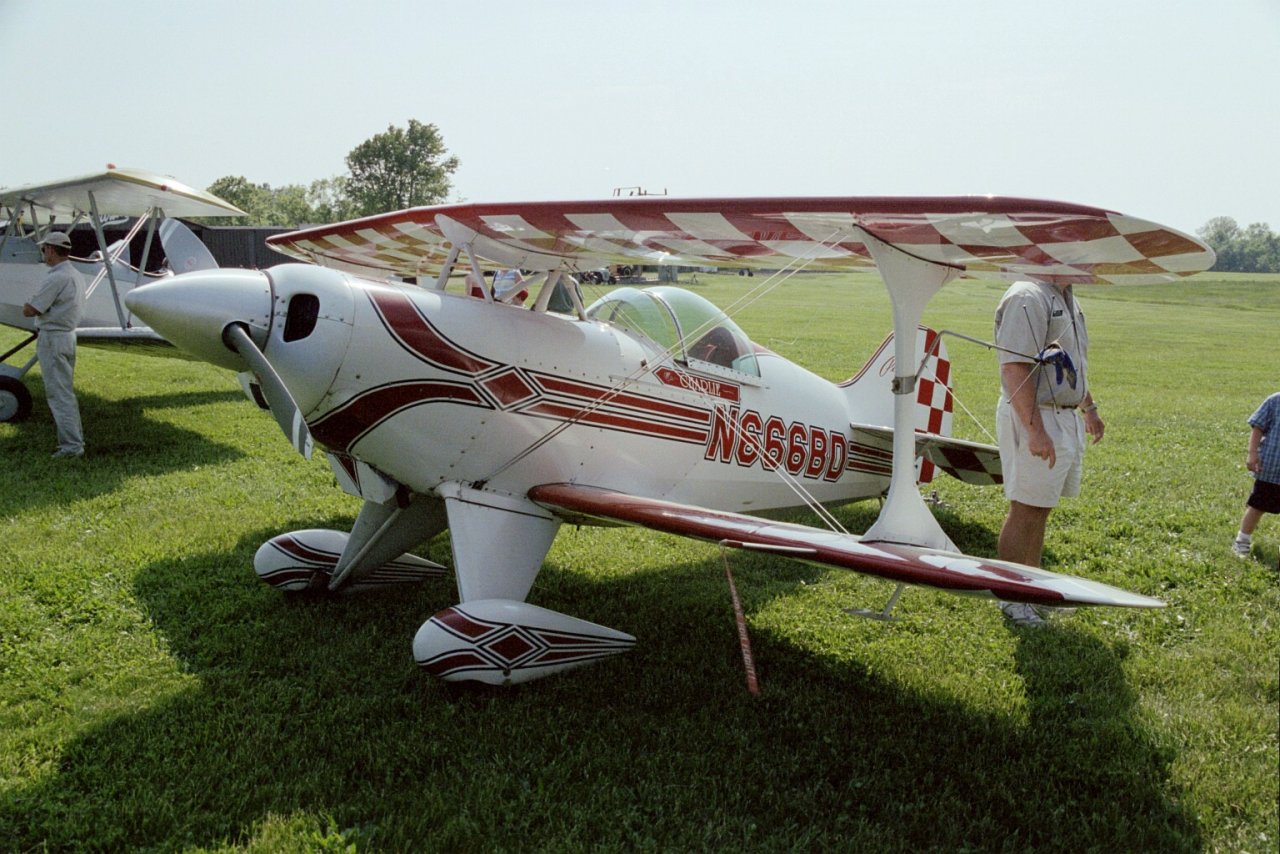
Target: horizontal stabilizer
[
  {"x": 971, "y": 462},
  {"x": 956, "y": 573}
]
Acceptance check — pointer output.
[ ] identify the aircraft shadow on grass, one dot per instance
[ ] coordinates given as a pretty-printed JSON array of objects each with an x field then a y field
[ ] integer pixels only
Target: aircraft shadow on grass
[
  {"x": 315, "y": 706},
  {"x": 122, "y": 442}
]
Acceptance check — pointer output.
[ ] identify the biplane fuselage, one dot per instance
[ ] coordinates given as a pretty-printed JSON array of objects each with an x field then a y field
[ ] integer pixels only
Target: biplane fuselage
[
  {"x": 511, "y": 398},
  {"x": 22, "y": 272}
]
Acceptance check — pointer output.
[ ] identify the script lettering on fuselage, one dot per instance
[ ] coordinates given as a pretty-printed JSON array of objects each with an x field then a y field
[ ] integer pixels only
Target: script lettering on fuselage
[
  {"x": 702, "y": 385},
  {"x": 802, "y": 450}
]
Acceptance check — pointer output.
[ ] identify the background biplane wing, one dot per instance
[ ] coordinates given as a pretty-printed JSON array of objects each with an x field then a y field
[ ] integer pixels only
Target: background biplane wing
[
  {"x": 1007, "y": 238},
  {"x": 953, "y": 572},
  {"x": 117, "y": 192}
]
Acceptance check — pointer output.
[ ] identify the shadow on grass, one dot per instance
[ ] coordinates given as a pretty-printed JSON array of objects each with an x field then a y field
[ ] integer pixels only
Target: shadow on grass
[
  {"x": 122, "y": 442},
  {"x": 315, "y": 708}
]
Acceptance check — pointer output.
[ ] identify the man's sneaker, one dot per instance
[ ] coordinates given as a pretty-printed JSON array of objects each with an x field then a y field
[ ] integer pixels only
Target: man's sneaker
[
  {"x": 61, "y": 454},
  {"x": 1241, "y": 550},
  {"x": 1022, "y": 614}
]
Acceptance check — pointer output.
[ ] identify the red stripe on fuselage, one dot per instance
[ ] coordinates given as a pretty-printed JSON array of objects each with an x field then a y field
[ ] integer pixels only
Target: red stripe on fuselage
[
  {"x": 343, "y": 427},
  {"x": 416, "y": 334},
  {"x": 614, "y": 421},
  {"x": 609, "y": 396}
]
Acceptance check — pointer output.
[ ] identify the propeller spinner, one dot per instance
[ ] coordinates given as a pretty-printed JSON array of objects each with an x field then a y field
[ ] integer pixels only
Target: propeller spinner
[{"x": 234, "y": 318}]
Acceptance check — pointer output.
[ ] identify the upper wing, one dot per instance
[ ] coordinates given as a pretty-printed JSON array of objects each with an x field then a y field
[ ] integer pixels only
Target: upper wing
[
  {"x": 121, "y": 192},
  {"x": 1003, "y": 237},
  {"x": 908, "y": 564}
]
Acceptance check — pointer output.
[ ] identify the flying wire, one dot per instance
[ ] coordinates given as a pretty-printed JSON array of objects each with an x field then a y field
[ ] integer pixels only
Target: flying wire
[{"x": 777, "y": 278}]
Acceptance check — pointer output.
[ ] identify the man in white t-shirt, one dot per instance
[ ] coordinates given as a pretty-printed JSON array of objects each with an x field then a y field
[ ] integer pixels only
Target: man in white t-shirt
[
  {"x": 57, "y": 308},
  {"x": 1044, "y": 411}
]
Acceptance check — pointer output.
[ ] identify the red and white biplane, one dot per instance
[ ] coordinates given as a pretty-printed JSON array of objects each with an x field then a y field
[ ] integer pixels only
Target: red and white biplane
[{"x": 501, "y": 422}]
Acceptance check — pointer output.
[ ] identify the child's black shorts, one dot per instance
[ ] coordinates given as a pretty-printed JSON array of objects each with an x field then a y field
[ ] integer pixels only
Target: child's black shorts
[{"x": 1265, "y": 496}]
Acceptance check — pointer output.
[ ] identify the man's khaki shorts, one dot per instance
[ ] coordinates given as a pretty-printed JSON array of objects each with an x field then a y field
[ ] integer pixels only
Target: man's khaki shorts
[{"x": 1029, "y": 480}]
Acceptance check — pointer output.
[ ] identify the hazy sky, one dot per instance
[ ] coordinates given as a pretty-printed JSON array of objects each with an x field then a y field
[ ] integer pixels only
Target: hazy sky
[{"x": 1164, "y": 109}]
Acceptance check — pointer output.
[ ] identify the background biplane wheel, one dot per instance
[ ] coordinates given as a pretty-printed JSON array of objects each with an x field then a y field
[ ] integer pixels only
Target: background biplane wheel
[{"x": 15, "y": 400}]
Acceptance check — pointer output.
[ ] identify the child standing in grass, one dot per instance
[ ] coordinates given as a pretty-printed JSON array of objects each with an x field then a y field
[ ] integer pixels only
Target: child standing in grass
[{"x": 1264, "y": 462}]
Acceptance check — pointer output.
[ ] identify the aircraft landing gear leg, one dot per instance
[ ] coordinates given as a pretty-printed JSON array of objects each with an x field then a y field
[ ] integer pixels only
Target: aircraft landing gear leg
[
  {"x": 15, "y": 400},
  {"x": 493, "y": 636},
  {"x": 883, "y": 616}
]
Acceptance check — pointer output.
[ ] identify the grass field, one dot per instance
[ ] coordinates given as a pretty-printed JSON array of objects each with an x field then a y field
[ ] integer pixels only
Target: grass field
[{"x": 154, "y": 695}]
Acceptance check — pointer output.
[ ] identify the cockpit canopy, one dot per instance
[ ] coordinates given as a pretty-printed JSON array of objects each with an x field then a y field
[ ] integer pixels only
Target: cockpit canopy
[{"x": 681, "y": 323}]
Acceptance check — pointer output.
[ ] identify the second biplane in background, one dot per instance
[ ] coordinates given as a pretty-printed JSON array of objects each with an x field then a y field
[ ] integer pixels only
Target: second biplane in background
[{"x": 32, "y": 211}]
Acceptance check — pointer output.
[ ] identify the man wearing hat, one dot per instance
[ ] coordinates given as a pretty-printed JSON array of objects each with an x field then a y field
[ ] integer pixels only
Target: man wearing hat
[{"x": 57, "y": 308}]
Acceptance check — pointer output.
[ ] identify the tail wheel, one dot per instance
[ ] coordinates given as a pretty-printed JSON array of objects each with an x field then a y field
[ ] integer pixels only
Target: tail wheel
[{"x": 15, "y": 400}]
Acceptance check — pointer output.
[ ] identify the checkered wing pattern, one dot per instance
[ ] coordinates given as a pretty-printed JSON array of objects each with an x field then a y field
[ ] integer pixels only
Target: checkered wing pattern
[
  {"x": 986, "y": 236},
  {"x": 970, "y": 462},
  {"x": 871, "y": 451}
]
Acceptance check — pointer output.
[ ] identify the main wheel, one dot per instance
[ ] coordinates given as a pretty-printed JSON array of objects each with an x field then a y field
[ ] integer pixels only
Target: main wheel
[{"x": 15, "y": 400}]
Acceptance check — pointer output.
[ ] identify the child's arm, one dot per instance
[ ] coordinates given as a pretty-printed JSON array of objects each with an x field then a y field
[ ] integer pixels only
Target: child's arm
[{"x": 1255, "y": 438}]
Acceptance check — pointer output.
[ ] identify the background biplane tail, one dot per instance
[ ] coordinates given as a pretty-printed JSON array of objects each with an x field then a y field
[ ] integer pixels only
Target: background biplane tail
[{"x": 184, "y": 252}]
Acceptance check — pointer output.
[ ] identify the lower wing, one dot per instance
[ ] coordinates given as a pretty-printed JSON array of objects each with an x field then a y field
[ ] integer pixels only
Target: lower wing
[
  {"x": 949, "y": 571},
  {"x": 139, "y": 340}
]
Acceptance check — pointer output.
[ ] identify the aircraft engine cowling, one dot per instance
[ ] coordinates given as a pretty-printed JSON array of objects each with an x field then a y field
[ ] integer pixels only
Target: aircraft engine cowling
[
  {"x": 503, "y": 642},
  {"x": 304, "y": 560}
]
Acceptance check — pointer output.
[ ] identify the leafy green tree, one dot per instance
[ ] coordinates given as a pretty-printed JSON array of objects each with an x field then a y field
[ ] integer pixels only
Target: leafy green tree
[
  {"x": 1255, "y": 249},
  {"x": 402, "y": 168},
  {"x": 238, "y": 190},
  {"x": 330, "y": 200},
  {"x": 1261, "y": 249},
  {"x": 291, "y": 205}
]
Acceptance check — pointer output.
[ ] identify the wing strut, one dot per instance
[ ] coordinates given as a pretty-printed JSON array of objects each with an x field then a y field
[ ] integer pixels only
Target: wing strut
[
  {"x": 153, "y": 219},
  {"x": 442, "y": 281},
  {"x": 911, "y": 282},
  {"x": 106, "y": 261},
  {"x": 882, "y": 615}
]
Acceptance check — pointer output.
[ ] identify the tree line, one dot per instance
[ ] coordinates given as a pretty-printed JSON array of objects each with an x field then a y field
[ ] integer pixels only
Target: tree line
[
  {"x": 401, "y": 168},
  {"x": 1253, "y": 249},
  {"x": 408, "y": 167}
]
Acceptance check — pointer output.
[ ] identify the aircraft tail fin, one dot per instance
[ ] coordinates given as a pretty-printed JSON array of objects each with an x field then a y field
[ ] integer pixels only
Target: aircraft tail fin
[
  {"x": 870, "y": 392},
  {"x": 185, "y": 251}
]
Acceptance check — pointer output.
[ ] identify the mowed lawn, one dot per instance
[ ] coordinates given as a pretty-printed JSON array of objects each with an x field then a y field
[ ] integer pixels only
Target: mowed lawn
[{"x": 154, "y": 695}]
